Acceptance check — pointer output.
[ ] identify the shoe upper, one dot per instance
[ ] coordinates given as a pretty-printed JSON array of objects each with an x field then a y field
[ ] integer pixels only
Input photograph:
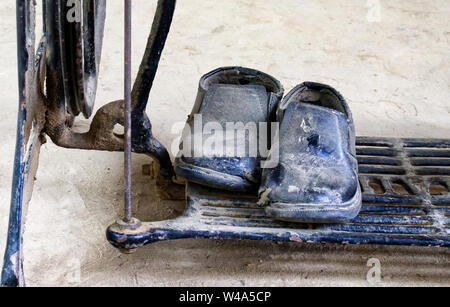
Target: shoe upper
[
  {"x": 228, "y": 98},
  {"x": 317, "y": 160}
]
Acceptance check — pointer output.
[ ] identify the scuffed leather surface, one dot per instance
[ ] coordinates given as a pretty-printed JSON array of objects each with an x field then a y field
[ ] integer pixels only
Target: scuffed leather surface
[
  {"x": 225, "y": 103},
  {"x": 235, "y": 103},
  {"x": 235, "y": 95},
  {"x": 317, "y": 164}
]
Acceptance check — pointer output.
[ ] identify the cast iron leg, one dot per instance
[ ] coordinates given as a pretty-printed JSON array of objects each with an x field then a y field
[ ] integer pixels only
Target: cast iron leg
[{"x": 31, "y": 121}]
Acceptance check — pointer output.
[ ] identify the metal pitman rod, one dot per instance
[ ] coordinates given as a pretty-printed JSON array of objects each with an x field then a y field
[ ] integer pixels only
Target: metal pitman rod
[{"x": 127, "y": 108}]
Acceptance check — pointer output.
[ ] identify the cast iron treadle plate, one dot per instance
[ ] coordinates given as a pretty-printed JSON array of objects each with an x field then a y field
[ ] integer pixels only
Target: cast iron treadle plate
[{"x": 406, "y": 202}]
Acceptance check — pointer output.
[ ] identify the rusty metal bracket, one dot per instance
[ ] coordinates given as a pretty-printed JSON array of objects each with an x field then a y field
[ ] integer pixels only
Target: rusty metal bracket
[{"x": 100, "y": 135}]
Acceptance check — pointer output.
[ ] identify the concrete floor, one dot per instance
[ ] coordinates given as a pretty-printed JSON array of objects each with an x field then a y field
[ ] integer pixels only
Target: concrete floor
[{"x": 395, "y": 74}]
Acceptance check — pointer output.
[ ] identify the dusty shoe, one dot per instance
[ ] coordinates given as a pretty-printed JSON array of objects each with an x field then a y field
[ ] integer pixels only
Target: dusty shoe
[
  {"x": 231, "y": 95},
  {"x": 316, "y": 180}
]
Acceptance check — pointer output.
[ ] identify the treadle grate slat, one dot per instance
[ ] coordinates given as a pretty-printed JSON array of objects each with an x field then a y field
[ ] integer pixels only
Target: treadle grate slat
[{"x": 406, "y": 201}]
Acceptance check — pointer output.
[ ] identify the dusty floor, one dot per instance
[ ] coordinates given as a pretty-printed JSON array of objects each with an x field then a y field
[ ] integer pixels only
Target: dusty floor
[{"x": 395, "y": 73}]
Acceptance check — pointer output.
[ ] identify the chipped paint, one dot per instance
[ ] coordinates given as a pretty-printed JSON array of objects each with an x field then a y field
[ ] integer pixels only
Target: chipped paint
[{"x": 392, "y": 218}]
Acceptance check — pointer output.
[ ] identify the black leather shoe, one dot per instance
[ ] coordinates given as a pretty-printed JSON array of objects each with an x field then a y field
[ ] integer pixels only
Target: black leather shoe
[
  {"x": 227, "y": 95},
  {"x": 316, "y": 180}
]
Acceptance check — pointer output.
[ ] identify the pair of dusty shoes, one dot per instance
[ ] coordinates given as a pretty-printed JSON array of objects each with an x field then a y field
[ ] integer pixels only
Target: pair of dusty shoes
[{"x": 298, "y": 151}]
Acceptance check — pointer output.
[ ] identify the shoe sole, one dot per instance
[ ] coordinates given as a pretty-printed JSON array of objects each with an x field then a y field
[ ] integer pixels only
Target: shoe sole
[
  {"x": 213, "y": 179},
  {"x": 316, "y": 213}
]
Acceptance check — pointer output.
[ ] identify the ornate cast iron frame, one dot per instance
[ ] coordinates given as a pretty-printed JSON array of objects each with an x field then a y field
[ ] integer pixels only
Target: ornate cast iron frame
[{"x": 417, "y": 217}]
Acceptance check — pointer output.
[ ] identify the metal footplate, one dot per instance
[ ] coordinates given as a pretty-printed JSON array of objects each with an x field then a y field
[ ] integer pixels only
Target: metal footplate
[{"x": 405, "y": 183}]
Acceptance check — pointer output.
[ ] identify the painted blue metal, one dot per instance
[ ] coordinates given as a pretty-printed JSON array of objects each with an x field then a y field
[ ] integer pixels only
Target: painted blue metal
[
  {"x": 31, "y": 118},
  {"x": 400, "y": 206},
  {"x": 11, "y": 267}
]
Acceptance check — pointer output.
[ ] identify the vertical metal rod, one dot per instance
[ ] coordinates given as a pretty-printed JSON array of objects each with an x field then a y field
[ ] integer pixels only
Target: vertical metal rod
[{"x": 127, "y": 99}]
